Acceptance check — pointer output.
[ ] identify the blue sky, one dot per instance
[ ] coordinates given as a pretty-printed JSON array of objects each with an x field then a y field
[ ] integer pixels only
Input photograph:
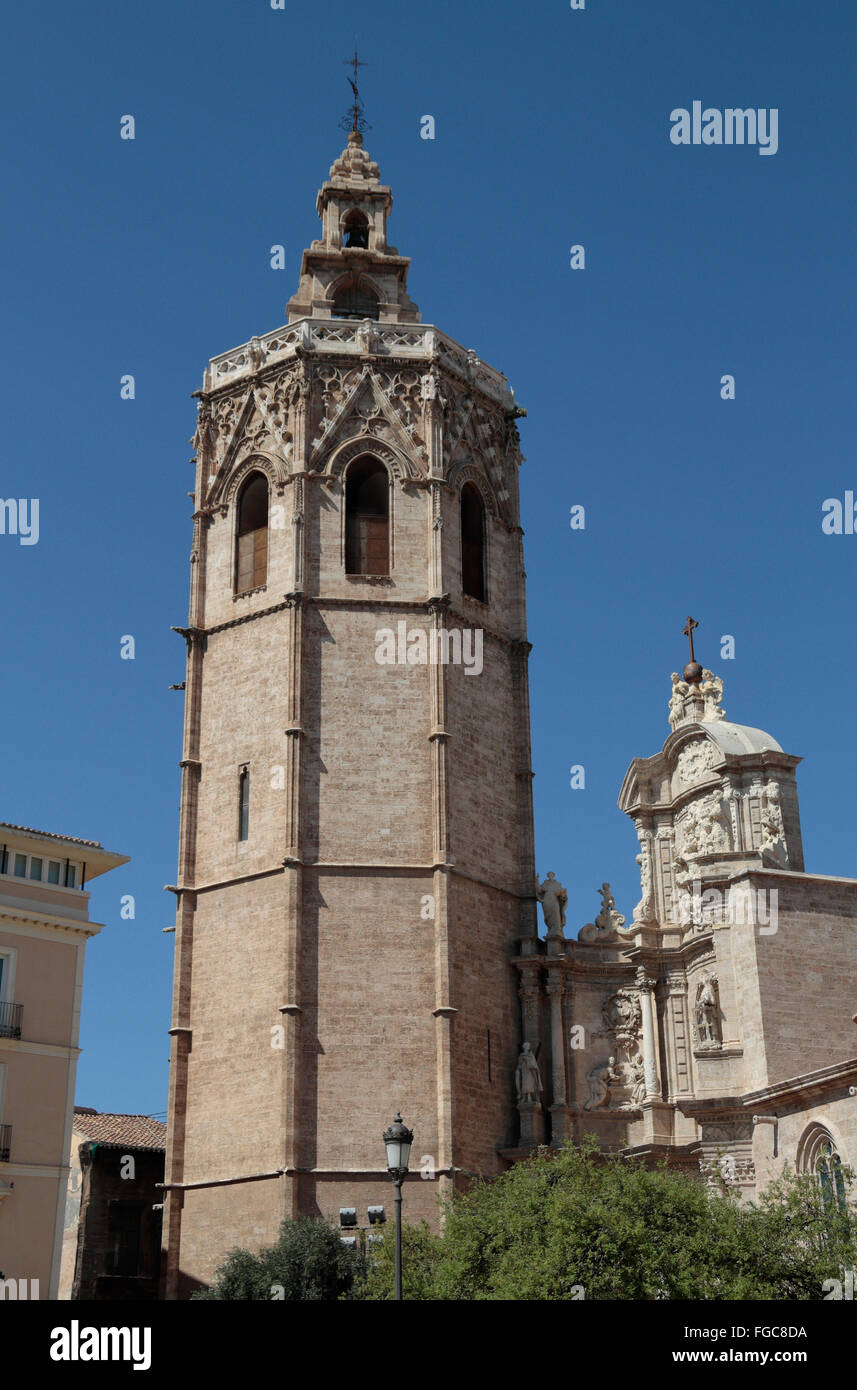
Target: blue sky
[{"x": 552, "y": 129}]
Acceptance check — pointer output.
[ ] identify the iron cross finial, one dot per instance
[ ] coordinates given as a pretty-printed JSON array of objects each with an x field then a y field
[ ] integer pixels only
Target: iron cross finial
[
  {"x": 355, "y": 120},
  {"x": 687, "y": 631},
  {"x": 692, "y": 672}
]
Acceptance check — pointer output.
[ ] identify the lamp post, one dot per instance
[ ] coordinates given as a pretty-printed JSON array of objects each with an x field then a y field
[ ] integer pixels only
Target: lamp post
[{"x": 398, "y": 1139}]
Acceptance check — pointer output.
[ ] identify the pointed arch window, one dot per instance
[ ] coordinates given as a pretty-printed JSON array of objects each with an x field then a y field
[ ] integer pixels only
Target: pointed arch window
[
  {"x": 367, "y": 518},
  {"x": 818, "y": 1156},
  {"x": 251, "y": 551},
  {"x": 472, "y": 542},
  {"x": 828, "y": 1170}
]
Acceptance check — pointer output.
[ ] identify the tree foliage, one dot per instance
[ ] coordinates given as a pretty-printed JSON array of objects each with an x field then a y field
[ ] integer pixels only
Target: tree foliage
[
  {"x": 579, "y": 1224},
  {"x": 308, "y": 1263}
]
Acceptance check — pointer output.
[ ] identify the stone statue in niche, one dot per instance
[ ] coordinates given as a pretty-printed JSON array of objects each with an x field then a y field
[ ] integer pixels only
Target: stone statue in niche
[
  {"x": 687, "y": 845},
  {"x": 707, "y": 1012},
  {"x": 623, "y": 1024},
  {"x": 601, "y": 1079},
  {"x": 554, "y": 901},
  {"x": 713, "y": 834},
  {"x": 773, "y": 844},
  {"x": 528, "y": 1081},
  {"x": 700, "y": 829},
  {"x": 608, "y": 921}
]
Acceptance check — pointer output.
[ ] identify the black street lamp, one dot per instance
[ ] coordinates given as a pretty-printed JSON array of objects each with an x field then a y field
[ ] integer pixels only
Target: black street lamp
[{"x": 398, "y": 1139}]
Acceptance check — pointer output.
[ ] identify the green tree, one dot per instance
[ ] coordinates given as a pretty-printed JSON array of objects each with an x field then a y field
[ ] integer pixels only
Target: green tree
[
  {"x": 308, "y": 1262},
  {"x": 420, "y": 1255},
  {"x": 577, "y": 1222}
]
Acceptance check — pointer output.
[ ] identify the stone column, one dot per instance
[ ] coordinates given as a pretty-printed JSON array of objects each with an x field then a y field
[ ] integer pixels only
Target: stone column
[
  {"x": 664, "y": 880},
  {"x": 444, "y": 1011},
  {"x": 646, "y": 986},
  {"x": 528, "y": 911},
  {"x": 559, "y": 1106},
  {"x": 293, "y": 733},
  {"x": 530, "y": 997},
  {"x": 433, "y": 435},
  {"x": 679, "y": 1081}
]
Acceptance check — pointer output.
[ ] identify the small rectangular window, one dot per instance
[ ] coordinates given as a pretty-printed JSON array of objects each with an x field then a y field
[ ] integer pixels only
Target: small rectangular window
[
  {"x": 123, "y": 1239},
  {"x": 20, "y": 866},
  {"x": 70, "y": 875},
  {"x": 36, "y": 869},
  {"x": 54, "y": 871},
  {"x": 244, "y": 804}
]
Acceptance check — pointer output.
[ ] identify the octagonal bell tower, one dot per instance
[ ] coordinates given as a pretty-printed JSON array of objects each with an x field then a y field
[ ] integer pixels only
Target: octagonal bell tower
[{"x": 356, "y": 846}]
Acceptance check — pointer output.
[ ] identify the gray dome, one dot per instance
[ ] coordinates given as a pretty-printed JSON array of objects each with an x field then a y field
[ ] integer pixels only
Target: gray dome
[{"x": 739, "y": 738}]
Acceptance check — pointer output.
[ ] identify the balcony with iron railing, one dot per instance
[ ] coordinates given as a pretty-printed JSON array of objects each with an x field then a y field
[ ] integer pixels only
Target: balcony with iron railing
[
  {"x": 5, "y": 1142},
  {"x": 11, "y": 1016}
]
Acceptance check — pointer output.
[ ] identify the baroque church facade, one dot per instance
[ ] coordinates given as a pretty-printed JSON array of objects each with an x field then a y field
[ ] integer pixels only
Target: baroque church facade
[
  {"x": 356, "y": 925},
  {"x": 717, "y": 1028}
]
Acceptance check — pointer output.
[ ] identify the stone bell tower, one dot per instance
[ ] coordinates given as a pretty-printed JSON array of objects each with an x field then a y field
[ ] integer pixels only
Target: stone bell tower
[{"x": 356, "y": 845}]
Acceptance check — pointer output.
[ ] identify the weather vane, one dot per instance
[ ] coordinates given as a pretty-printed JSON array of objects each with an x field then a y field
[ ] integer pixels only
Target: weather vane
[{"x": 355, "y": 120}]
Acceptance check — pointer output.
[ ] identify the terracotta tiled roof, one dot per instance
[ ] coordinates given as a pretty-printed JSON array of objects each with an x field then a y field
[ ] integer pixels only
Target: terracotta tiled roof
[
  {"x": 137, "y": 1131},
  {"x": 46, "y": 835}
]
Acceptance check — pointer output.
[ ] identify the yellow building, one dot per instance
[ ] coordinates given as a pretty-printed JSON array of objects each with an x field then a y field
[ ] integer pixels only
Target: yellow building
[{"x": 44, "y": 927}]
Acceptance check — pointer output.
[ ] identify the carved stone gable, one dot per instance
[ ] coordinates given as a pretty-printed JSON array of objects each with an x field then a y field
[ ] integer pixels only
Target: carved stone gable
[{"x": 367, "y": 402}]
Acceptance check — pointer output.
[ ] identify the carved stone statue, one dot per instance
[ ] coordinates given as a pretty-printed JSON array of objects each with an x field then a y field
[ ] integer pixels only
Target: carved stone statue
[
  {"x": 554, "y": 901},
  {"x": 713, "y": 835},
  {"x": 600, "y": 1079},
  {"x": 712, "y": 694},
  {"x": 707, "y": 1012},
  {"x": 701, "y": 828},
  {"x": 528, "y": 1081},
  {"x": 773, "y": 832},
  {"x": 638, "y": 1083},
  {"x": 680, "y": 689},
  {"x": 695, "y": 702},
  {"x": 608, "y": 921}
]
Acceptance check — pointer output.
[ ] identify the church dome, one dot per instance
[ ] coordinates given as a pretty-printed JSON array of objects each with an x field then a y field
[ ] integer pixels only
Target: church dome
[{"x": 739, "y": 738}]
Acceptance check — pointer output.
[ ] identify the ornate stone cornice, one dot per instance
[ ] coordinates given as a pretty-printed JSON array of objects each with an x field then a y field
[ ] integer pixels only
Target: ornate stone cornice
[{"x": 399, "y": 344}]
